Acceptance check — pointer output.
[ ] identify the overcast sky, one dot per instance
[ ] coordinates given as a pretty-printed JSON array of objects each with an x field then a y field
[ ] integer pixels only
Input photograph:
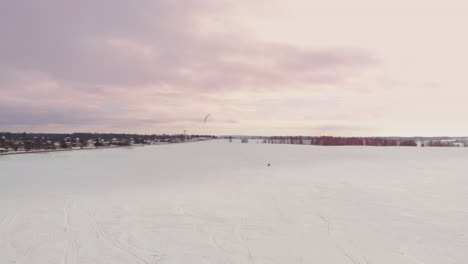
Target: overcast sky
[{"x": 260, "y": 67}]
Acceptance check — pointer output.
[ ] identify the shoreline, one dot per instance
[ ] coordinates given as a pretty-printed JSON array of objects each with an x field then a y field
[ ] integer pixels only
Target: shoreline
[
  {"x": 90, "y": 148},
  {"x": 72, "y": 149}
]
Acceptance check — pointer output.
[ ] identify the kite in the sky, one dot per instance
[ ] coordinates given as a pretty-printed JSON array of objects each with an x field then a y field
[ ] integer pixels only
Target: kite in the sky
[{"x": 206, "y": 118}]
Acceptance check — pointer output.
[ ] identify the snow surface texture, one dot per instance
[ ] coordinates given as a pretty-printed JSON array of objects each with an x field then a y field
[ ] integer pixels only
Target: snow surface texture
[{"x": 219, "y": 202}]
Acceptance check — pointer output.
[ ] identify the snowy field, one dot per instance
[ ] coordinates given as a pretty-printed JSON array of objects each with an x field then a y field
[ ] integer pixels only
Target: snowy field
[{"x": 219, "y": 202}]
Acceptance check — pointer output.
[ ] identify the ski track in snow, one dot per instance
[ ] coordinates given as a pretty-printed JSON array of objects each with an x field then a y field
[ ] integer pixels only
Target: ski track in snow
[
  {"x": 71, "y": 252},
  {"x": 66, "y": 218},
  {"x": 157, "y": 256},
  {"x": 183, "y": 211},
  {"x": 220, "y": 249},
  {"x": 3, "y": 220},
  {"x": 413, "y": 259},
  {"x": 8, "y": 220},
  {"x": 327, "y": 221},
  {"x": 70, "y": 255},
  {"x": 124, "y": 247},
  {"x": 243, "y": 243},
  {"x": 7, "y": 224}
]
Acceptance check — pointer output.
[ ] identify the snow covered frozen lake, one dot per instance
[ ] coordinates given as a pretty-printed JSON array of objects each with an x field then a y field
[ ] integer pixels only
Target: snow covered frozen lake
[{"x": 219, "y": 202}]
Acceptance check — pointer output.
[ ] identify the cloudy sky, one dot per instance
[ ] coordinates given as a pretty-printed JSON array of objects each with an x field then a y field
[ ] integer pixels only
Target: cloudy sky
[{"x": 260, "y": 67}]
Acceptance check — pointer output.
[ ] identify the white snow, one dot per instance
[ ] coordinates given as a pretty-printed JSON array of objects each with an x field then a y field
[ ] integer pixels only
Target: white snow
[{"x": 219, "y": 202}]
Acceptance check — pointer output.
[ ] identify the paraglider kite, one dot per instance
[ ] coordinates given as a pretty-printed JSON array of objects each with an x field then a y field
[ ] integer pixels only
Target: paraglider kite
[{"x": 206, "y": 118}]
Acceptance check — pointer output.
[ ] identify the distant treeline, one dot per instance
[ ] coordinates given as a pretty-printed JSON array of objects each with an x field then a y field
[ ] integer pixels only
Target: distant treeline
[
  {"x": 341, "y": 141},
  {"x": 369, "y": 141}
]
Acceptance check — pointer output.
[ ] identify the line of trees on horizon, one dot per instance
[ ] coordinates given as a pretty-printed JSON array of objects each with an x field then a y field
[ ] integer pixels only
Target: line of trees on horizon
[
  {"x": 368, "y": 141},
  {"x": 340, "y": 141}
]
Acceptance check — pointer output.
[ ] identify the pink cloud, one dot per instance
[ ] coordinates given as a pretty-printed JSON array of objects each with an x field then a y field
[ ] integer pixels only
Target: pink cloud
[{"x": 69, "y": 63}]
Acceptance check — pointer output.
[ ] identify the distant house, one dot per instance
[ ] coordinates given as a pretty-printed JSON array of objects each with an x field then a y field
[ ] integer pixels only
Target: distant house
[
  {"x": 175, "y": 140},
  {"x": 3, "y": 150}
]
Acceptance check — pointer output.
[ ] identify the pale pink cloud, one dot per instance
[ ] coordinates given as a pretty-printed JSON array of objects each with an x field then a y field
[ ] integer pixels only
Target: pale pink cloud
[{"x": 71, "y": 63}]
